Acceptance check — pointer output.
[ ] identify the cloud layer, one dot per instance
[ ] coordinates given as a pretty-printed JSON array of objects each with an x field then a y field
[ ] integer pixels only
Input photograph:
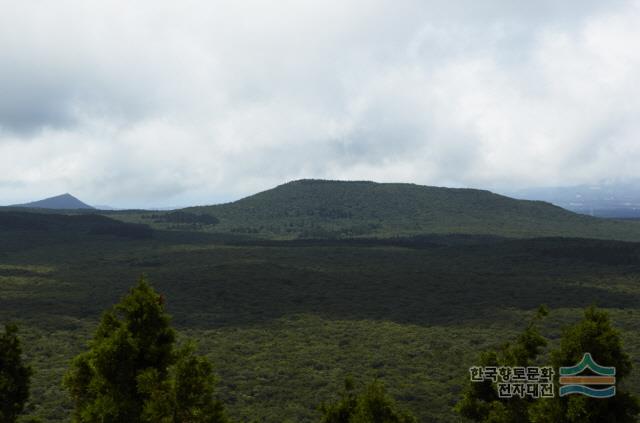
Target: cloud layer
[{"x": 158, "y": 103}]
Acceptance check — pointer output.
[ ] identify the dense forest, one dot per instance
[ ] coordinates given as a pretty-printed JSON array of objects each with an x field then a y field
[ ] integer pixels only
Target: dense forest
[{"x": 134, "y": 372}]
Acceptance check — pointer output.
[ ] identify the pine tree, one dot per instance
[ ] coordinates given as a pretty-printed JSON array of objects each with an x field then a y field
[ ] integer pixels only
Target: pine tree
[
  {"x": 481, "y": 401},
  {"x": 186, "y": 395},
  {"x": 595, "y": 335},
  {"x": 14, "y": 376},
  {"x": 372, "y": 405},
  {"x": 132, "y": 371}
]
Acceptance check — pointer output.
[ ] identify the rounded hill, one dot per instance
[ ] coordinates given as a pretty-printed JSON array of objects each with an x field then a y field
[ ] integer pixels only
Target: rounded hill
[{"x": 322, "y": 208}]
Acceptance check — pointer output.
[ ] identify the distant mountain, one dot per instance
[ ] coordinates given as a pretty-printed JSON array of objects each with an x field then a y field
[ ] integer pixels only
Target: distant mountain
[
  {"x": 320, "y": 209},
  {"x": 619, "y": 200},
  {"x": 59, "y": 202}
]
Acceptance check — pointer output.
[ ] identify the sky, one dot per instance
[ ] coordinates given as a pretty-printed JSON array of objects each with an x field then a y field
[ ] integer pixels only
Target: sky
[{"x": 159, "y": 103}]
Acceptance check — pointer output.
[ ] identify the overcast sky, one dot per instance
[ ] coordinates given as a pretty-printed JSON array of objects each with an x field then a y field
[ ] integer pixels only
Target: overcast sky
[{"x": 155, "y": 103}]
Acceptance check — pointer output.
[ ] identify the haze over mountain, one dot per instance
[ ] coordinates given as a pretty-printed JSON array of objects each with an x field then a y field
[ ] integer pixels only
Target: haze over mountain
[
  {"x": 59, "y": 202},
  {"x": 619, "y": 200},
  {"x": 320, "y": 208}
]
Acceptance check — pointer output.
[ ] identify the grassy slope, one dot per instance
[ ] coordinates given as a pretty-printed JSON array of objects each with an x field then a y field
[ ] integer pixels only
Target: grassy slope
[{"x": 315, "y": 208}]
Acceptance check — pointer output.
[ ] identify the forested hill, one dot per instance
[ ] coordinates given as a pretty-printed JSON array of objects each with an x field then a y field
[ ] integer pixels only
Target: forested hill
[{"x": 320, "y": 208}]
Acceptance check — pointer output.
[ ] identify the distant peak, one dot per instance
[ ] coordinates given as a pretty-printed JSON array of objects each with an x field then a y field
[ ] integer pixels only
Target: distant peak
[
  {"x": 65, "y": 196},
  {"x": 64, "y": 201}
]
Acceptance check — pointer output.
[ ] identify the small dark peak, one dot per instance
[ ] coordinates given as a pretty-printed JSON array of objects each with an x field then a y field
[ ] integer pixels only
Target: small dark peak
[{"x": 64, "y": 201}]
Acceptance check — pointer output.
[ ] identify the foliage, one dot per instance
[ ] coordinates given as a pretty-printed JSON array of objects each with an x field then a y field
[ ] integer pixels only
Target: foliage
[
  {"x": 372, "y": 405},
  {"x": 14, "y": 375},
  {"x": 186, "y": 395},
  {"x": 183, "y": 217},
  {"x": 481, "y": 402},
  {"x": 596, "y": 335},
  {"x": 132, "y": 372}
]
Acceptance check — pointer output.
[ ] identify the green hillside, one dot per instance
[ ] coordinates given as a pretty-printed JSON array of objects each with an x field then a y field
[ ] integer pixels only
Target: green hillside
[{"x": 340, "y": 209}]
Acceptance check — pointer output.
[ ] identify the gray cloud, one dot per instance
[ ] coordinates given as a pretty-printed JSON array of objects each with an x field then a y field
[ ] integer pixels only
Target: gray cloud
[{"x": 160, "y": 102}]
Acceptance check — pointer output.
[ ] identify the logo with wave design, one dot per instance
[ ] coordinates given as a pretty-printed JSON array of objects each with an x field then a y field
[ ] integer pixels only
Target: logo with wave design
[{"x": 572, "y": 383}]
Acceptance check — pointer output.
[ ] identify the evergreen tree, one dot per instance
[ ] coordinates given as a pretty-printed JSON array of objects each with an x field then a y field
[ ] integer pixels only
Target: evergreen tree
[
  {"x": 186, "y": 395},
  {"x": 373, "y": 405},
  {"x": 480, "y": 400},
  {"x": 595, "y": 335},
  {"x": 14, "y": 376},
  {"x": 132, "y": 371}
]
